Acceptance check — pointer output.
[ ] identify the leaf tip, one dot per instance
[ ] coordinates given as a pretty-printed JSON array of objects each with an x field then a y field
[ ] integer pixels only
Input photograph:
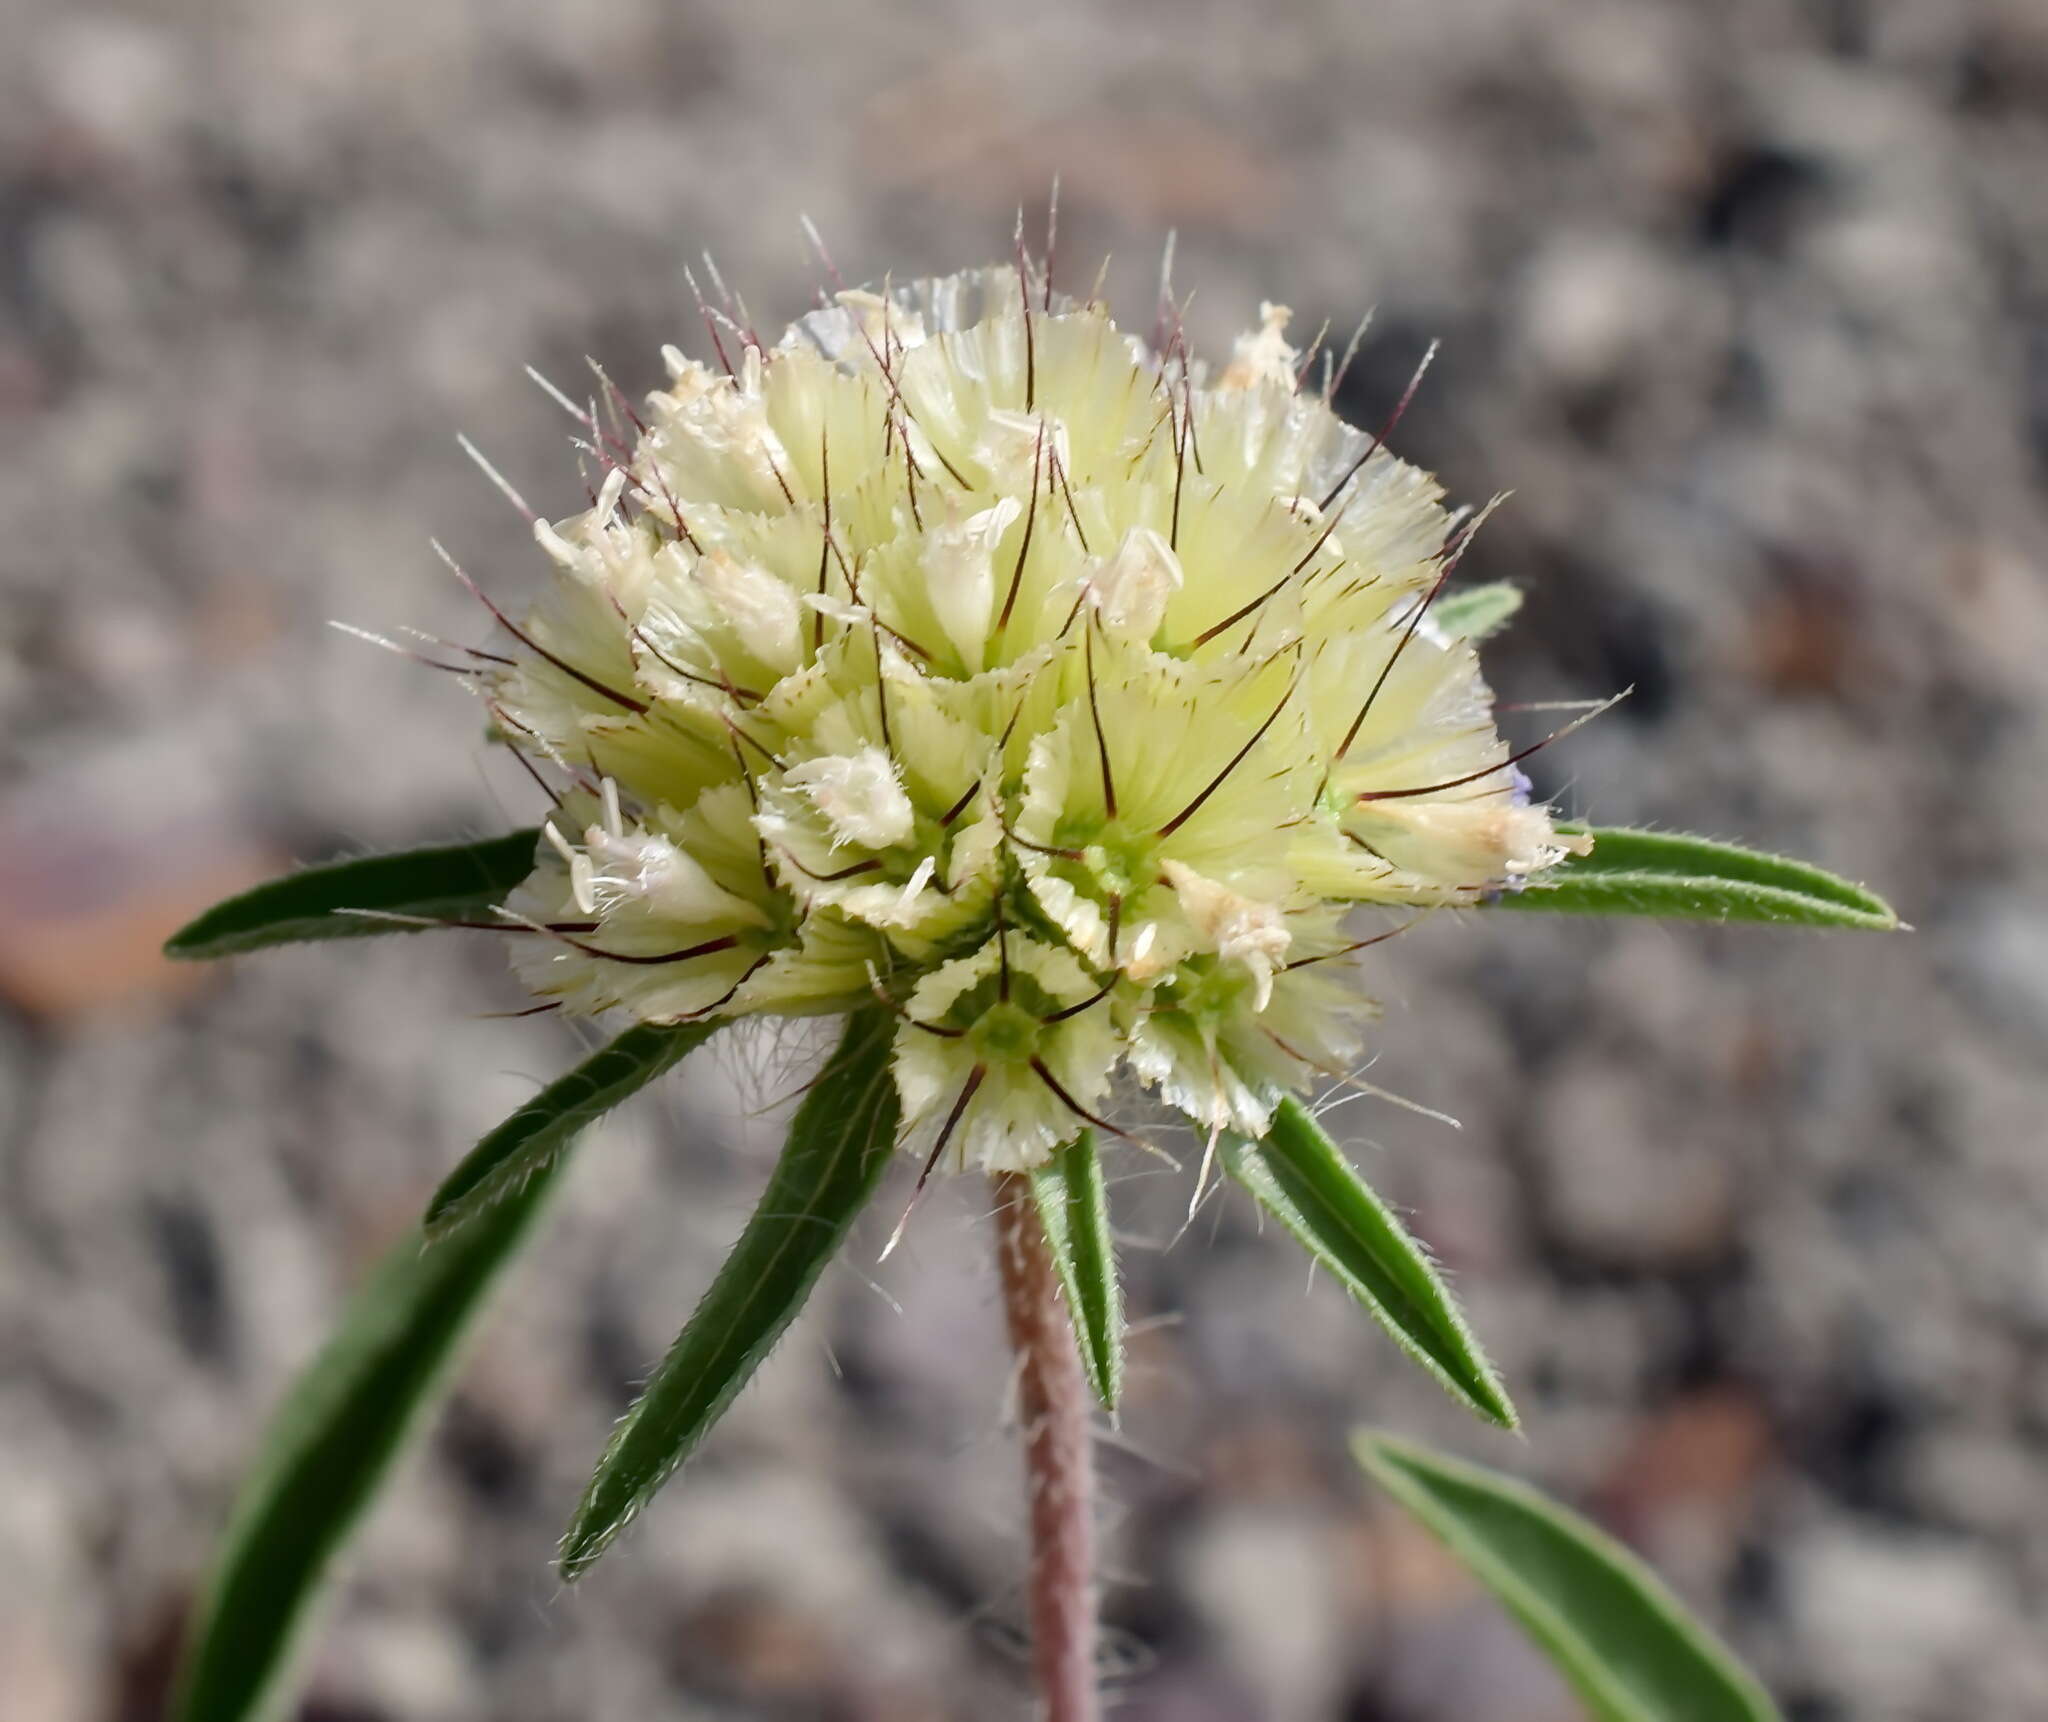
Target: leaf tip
[
  {"x": 1107, "y": 1382},
  {"x": 575, "y": 1559},
  {"x": 584, "y": 1543},
  {"x": 189, "y": 944},
  {"x": 1492, "y": 1403},
  {"x": 1365, "y": 1445},
  {"x": 1380, "y": 1455},
  {"x": 440, "y": 1220}
]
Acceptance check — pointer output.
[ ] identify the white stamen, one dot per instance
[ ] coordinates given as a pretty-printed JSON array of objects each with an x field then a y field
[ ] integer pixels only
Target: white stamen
[
  {"x": 1014, "y": 444},
  {"x": 582, "y": 883},
  {"x": 1239, "y": 929},
  {"x": 859, "y": 795},
  {"x": 913, "y": 887},
  {"x": 1132, "y": 588},
  {"x": 640, "y": 868},
  {"x": 960, "y": 579},
  {"x": 1263, "y": 356},
  {"x": 765, "y": 612}
]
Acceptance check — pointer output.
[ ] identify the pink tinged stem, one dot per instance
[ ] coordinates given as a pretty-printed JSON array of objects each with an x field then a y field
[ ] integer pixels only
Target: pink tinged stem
[{"x": 1058, "y": 1459}]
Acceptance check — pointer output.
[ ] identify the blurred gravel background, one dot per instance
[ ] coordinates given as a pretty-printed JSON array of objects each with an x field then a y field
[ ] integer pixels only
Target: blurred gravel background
[{"x": 1745, "y": 301}]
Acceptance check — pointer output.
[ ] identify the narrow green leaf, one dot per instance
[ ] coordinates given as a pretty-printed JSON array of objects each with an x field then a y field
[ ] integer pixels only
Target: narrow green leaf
[
  {"x": 340, "y": 1428},
  {"x": 1693, "y": 878},
  {"x": 839, "y": 1144},
  {"x": 1073, "y": 1207},
  {"x": 538, "y": 1133},
  {"x": 1300, "y": 1178},
  {"x": 463, "y": 881},
  {"x": 1626, "y": 1644},
  {"x": 1478, "y": 614}
]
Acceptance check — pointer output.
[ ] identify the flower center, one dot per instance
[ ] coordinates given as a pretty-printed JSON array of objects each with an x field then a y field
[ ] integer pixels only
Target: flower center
[{"x": 1006, "y": 1033}]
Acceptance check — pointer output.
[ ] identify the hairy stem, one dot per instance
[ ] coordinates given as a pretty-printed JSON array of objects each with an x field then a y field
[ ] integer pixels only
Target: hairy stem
[{"x": 1059, "y": 1462}]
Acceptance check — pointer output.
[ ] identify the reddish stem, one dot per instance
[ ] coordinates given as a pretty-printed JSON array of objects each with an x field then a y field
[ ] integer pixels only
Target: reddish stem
[{"x": 1059, "y": 1460}]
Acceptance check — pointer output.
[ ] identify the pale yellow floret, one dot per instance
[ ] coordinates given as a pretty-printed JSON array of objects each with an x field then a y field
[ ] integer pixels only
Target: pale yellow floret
[{"x": 1022, "y": 1075}]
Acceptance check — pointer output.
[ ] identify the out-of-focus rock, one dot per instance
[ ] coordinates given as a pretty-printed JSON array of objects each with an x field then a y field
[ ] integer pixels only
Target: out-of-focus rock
[
  {"x": 90, "y": 889},
  {"x": 1270, "y": 1592},
  {"x": 1899, "y": 1617},
  {"x": 1624, "y": 1184}
]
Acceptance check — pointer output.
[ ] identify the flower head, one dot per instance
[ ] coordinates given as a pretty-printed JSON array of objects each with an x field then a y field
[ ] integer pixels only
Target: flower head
[{"x": 964, "y": 650}]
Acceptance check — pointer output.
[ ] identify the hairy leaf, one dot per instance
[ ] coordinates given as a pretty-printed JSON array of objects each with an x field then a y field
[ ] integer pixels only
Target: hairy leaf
[
  {"x": 1299, "y": 1177},
  {"x": 839, "y": 1143},
  {"x": 1073, "y": 1207},
  {"x": 1477, "y": 614},
  {"x": 350, "y": 899},
  {"x": 1626, "y": 1644},
  {"x": 538, "y": 1133},
  {"x": 1693, "y": 878},
  {"x": 343, "y": 1424}
]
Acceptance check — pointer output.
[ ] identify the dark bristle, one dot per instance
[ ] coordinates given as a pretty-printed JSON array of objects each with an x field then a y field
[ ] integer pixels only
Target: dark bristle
[
  {"x": 723, "y": 684},
  {"x": 1059, "y": 473},
  {"x": 1052, "y": 238},
  {"x": 710, "y": 326},
  {"x": 618, "y": 396},
  {"x": 625, "y": 701},
  {"x": 1030, "y": 339},
  {"x": 825, "y": 550},
  {"x": 533, "y": 771},
  {"x": 1452, "y": 553},
  {"x": 1354, "y": 946},
  {"x": 852, "y": 871},
  {"x": 1386, "y": 430},
  {"x": 1243, "y": 610},
  {"x": 1393, "y": 658},
  {"x": 1059, "y": 1093},
  {"x": 1215, "y": 783},
  {"x": 1030, "y": 521},
  {"x": 959, "y": 807},
  {"x": 1095, "y": 716},
  {"x": 675, "y": 508},
  {"x": 1512, "y": 759},
  {"x": 1180, "y": 471},
  {"x": 710, "y": 947},
  {"x": 967, "y": 1092},
  {"x": 882, "y": 693},
  {"x": 1074, "y": 1010}
]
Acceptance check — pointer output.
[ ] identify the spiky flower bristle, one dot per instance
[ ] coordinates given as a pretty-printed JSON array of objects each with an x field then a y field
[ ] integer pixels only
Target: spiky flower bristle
[{"x": 962, "y": 650}]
